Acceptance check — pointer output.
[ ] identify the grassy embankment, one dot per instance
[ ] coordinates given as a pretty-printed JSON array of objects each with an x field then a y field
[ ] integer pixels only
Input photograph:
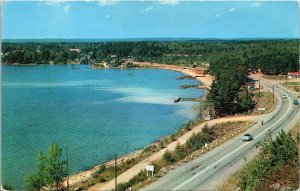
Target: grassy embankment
[
  {"x": 214, "y": 136},
  {"x": 262, "y": 100},
  {"x": 294, "y": 86},
  {"x": 105, "y": 174},
  {"x": 275, "y": 77},
  {"x": 278, "y": 170},
  {"x": 194, "y": 147}
]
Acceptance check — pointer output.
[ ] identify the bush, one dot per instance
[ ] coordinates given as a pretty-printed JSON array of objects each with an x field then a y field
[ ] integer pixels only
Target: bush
[
  {"x": 271, "y": 163},
  {"x": 173, "y": 137},
  {"x": 161, "y": 144},
  {"x": 101, "y": 169},
  {"x": 7, "y": 187},
  {"x": 187, "y": 126},
  {"x": 138, "y": 178},
  {"x": 198, "y": 140},
  {"x": 121, "y": 187},
  {"x": 102, "y": 179},
  {"x": 180, "y": 152},
  {"x": 168, "y": 157},
  {"x": 147, "y": 149}
]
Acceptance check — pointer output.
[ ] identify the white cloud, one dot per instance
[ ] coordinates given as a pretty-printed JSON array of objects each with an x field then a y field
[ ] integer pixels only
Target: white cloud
[
  {"x": 255, "y": 4},
  {"x": 147, "y": 9},
  {"x": 108, "y": 16},
  {"x": 107, "y": 2},
  {"x": 169, "y": 2},
  {"x": 232, "y": 9},
  {"x": 67, "y": 8}
]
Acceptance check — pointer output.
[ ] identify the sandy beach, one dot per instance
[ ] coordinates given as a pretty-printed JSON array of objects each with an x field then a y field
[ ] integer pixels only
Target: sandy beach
[
  {"x": 206, "y": 79},
  {"x": 77, "y": 178}
]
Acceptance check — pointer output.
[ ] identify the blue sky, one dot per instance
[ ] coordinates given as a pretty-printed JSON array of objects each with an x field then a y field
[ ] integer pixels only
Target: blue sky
[{"x": 149, "y": 19}]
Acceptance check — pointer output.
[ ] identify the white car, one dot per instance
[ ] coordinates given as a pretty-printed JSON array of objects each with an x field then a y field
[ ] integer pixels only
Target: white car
[
  {"x": 247, "y": 137},
  {"x": 284, "y": 96}
]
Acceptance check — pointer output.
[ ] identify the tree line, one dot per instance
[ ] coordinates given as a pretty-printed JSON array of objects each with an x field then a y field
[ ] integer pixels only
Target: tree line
[{"x": 271, "y": 56}]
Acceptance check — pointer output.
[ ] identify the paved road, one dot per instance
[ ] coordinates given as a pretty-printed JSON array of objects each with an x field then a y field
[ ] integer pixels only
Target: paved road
[{"x": 210, "y": 170}]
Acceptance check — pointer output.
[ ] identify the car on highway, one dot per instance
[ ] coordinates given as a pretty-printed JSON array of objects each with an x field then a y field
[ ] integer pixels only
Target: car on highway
[
  {"x": 247, "y": 137},
  {"x": 296, "y": 102},
  {"x": 284, "y": 96}
]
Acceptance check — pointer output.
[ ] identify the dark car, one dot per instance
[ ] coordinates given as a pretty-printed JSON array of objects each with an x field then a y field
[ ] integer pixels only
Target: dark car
[
  {"x": 247, "y": 137},
  {"x": 296, "y": 102}
]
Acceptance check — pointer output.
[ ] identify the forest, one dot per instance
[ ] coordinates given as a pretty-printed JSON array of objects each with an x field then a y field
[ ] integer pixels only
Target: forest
[
  {"x": 228, "y": 94},
  {"x": 270, "y": 56}
]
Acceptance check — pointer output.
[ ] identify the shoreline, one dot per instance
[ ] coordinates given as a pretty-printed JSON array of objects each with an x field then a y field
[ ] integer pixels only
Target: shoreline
[
  {"x": 205, "y": 79},
  {"x": 86, "y": 174}
]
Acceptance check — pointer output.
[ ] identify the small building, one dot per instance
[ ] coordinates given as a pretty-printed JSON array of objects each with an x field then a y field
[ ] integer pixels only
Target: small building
[
  {"x": 293, "y": 75},
  {"x": 199, "y": 72}
]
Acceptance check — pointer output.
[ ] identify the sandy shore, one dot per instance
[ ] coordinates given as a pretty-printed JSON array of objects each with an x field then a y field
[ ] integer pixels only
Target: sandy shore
[
  {"x": 206, "y": 79},
  {"x": 77, "y": 178}
]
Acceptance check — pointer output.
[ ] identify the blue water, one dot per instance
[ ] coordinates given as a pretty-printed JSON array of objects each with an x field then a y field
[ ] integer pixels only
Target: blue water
[{"x": 97, "y": 113}]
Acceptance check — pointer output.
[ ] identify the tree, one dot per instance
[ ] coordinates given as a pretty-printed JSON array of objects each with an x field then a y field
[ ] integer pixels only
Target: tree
[
  {"x": 55, "y": 167},
  {"x": 37, "y": 181},
  {"x": 245, "y": 101},
  {"x": 34, "y": 182},
  {"x": 8, "y": 187},
  {"x": 284, "y": 148},
  {"x": 50, "y": 170}
]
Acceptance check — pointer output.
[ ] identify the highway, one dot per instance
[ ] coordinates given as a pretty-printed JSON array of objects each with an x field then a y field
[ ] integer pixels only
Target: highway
[{"x": 209, "y": 171}]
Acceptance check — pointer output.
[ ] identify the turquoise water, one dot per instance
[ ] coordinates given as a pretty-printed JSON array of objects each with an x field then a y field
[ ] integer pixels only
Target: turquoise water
[{"x": 97, "y": 113}]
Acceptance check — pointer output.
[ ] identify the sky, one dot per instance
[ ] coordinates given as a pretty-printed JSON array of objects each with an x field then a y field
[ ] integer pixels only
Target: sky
[{"x": 149, "y": 19}]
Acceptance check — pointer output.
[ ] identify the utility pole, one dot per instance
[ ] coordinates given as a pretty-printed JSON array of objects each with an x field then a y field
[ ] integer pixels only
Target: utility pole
[
  {"x": 259, "y": 87},
  {"x": 67, "y": 166},
  {"x": 273, "y": 95},
  {"x": 116, "y": 173},
  {"x": 286, "y": 79}
]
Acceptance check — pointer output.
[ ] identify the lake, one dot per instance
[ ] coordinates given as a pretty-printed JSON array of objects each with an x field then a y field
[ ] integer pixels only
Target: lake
[{"x": 96, "y": 113}]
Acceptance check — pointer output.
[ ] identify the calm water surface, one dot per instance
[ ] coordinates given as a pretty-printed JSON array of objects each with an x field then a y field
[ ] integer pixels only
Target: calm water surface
[{"x": 97, "y": 113}]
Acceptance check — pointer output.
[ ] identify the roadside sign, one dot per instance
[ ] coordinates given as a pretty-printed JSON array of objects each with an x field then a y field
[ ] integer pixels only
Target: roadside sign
[
  {"x": 261, "y": 109},
  {"x": 150, "y": 167}
]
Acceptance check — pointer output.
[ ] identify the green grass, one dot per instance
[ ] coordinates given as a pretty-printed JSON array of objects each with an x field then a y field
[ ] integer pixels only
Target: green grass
[
  {"x": 292, "y": 84},
  {"x": 276, "y": 77}
]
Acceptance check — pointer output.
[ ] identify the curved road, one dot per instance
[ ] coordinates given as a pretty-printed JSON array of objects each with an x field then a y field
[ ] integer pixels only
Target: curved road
[{"x": 210, "y": 170}]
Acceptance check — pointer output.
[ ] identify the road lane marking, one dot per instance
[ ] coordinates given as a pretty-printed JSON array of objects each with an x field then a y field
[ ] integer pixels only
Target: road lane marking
[{"x": 201, "y": 172}]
